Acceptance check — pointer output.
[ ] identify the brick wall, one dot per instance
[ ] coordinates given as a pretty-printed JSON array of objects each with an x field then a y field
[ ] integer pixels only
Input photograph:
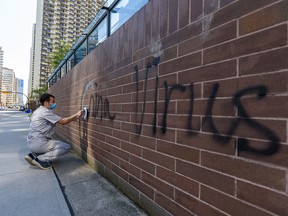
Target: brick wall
[{"x": 188, "y": 107}]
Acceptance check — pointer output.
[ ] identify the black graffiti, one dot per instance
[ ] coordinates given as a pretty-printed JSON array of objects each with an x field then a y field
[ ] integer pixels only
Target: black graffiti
[
  {"x": 221, "y": 137},
  {"x": 100, "y": 107},
  {"x": 149, "y": 68},
  {"x": 168, "y": 93},
  {"x": 243, "y": 116}
]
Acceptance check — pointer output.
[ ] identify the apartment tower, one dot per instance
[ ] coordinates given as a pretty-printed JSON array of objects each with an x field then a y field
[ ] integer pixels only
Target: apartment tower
[
  {"x": 56, "y": 21},
  {"x": 1, "y": 66},
  {"x": 8, "y": 84}
]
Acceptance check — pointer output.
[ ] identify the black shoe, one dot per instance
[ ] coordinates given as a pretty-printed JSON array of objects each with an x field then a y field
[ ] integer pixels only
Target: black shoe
[
  {"x": 41, "y": 164},
  {"x": 29, "y": 158}
]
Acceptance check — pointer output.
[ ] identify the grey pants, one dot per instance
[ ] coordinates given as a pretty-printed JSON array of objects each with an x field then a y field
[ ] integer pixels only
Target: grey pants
[{"x": 51, "y": 150}]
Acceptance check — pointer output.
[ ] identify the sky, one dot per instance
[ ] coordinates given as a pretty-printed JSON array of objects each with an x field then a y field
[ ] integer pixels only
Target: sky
[{"x": 16, "y": 22}]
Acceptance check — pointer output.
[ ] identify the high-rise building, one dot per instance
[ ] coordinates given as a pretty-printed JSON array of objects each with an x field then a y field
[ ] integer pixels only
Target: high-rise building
[
  {"x": 19, "y": 87},
  {"x": 8, "y": 84},
  {"x": 1, "y": 66},
  {"x": 57, "y": 21},
  {"x": 33, "y": 78},
  {"x": 1, "y": 57}
]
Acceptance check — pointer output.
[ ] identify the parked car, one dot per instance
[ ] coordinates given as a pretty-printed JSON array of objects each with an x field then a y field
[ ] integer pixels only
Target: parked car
[{"x": 22, "y": 108}]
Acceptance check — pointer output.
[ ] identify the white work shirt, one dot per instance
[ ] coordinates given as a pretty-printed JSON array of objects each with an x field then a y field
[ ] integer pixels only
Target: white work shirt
[{"x": 41, "y": 127}]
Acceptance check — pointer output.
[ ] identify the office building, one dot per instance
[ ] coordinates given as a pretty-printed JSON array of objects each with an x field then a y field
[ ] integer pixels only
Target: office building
[
  {"x": 19, "y": 88},
  {"x": 8, "y": 84},
  {"x": 33, "y": 78},
  {"x": 1, "y": 65},
  {"x": 56, "y": 21}
]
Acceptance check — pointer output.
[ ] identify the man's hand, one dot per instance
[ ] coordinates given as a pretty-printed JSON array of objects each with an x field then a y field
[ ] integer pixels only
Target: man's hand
[
  {"x": 74, "y": 117},
  {"x": 79, "y": 114}
]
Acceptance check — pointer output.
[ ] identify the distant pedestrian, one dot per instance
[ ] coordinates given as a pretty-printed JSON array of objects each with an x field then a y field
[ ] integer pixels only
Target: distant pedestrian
[{"x": 43, "y": 148}]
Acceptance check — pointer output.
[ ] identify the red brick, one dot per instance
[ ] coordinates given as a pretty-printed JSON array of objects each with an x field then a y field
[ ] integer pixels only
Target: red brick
[
  {"x": 265, "y": 40},
  {"x": 264, "y": 62},
  {"x": 148, "y": 27},
  {"x": 163, "y": 7},
  {"x": 266, "y": 17},
  {"x": 158, "y": 185},
  {"x": 236, "y": 10},
  {"x": 209, "y": 38},
  {"x": 123, "y": 98},
  {"x": 143, "y": 164},
  {"x": 224, "y": 3},
  {"x": 173, "y": 16},
  {"x": 147, "y": 142},
  {"x": 180, "y": 64},
  {"x": 142, "y": 187},
  {"x": 270, "y": 106},
  {"x": 170, "y": 205},
  {"x": 181, "y": 122},
  {"x": 206, "y": 176},
  {"x": 128, "y": 127},
  {"x": 279, "y": 158},
  {"x": 131, "y": 148},
  {"x": 264, "y": 198},
  {"x": 112, "y": 158},
  {"x": 159, "y": 159},
  {"x": 141, "y": 30},
  {"x": 120, "y": 153},
  {"x": 254, "y": 172},
  {"x": 106, "y": 147},
  {"x": 275, "y": 83},
  {"x": 195, "y": 205},
  {"x": 130, "y": 168},
  {"x": 251, "y": 129},
  {"x": 179, "y": 181},
  {"x": 196, "y": 9},
  {"x": 120, "y": 172},
  {"x": 210, "y": 6},
  {"x": 171, "y": 107},
  {"x": 185, "y": 33},
  {"x": 168, "y": 54},
  {"x": 136, "y": 28},
  {"x": 168, "y": 135},
  {"x": 221, "y": 107},
  {"x": 184, "y": 11},
  {"x": 155, "y": 21},
  {"x": 205, "y": 141},
  {"x": 120, "y": 116},
  {"x": 121, "y": 135},
  {"x": 178, "y": 151},
  {"x": 207, "y": 73},
  {"x": 229, "y": 204},
  {"x": 238, "y": 45},
  {"x": 176, "y": 95}
]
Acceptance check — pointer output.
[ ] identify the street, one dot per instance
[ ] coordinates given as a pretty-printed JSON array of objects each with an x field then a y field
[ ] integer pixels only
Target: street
[{"x": 25, "y": 190}]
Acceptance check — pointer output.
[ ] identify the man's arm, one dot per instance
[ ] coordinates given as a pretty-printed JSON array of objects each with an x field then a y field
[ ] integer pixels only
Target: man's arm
[{"x": 67, "y": 120}]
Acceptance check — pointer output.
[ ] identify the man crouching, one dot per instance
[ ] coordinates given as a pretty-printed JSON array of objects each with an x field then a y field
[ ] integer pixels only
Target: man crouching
[{"x": 43, "y": 148}]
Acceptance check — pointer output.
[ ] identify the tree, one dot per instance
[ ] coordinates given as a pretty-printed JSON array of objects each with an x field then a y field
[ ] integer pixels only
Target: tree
[{"x": 58, "y": 54}]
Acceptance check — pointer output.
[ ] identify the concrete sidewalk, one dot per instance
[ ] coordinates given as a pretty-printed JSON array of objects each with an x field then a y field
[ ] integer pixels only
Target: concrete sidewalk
[{"x": 71, "y": 188}]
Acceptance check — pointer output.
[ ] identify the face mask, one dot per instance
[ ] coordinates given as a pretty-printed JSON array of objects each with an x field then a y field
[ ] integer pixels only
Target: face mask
[{"x": 52, "y": 106}]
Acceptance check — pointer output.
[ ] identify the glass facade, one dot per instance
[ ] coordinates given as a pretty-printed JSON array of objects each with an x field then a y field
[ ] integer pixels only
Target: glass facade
[
  {"x": 98, "y": 35},
  {"x": 81, "y": 52},
  {"x": 123, "y": 10},
  {"x": 110, "y": 17}
]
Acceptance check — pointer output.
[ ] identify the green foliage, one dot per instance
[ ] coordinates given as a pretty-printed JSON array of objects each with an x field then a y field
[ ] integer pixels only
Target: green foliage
[
  {"x": 58, "y": 54},
  {"x": 36, "y": 93}
]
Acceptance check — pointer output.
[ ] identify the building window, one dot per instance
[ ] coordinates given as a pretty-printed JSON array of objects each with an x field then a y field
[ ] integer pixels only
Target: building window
[{"x": 123, "y": 10}]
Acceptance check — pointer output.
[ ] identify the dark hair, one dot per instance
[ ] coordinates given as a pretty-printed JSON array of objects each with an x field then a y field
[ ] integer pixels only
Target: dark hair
[{"x": 45, "y": 97}]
